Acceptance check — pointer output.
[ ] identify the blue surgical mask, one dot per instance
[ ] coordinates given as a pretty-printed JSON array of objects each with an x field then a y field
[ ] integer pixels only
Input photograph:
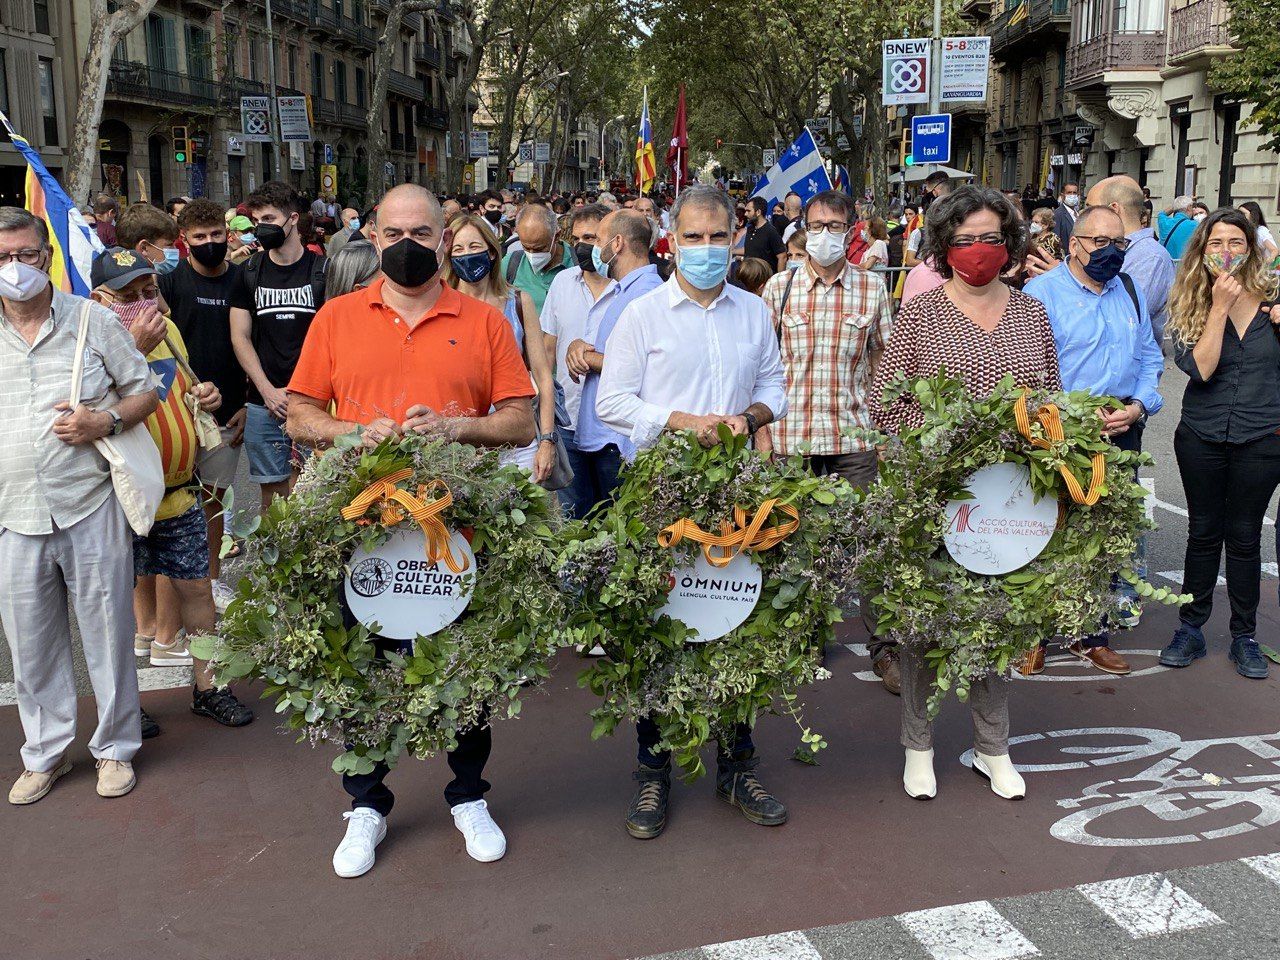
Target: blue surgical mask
[
  {"x": 248, "y": 239},
  {"x": 170, "y": 261},
  {"x": 794, "y": 264},
  {"x": 354, "y": 223},
  {"x": 705, "y": 265},
  {"x": 472, "y": 267},
  {"x": 1104, "y": 264},
  {"x": 597, "y": 259}
]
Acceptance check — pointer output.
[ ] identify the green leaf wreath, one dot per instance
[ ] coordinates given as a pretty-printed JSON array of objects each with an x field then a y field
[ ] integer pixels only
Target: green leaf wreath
[
  {"x": 620, "y": 574},
  {"x": 285, "y": 626},
  {"x": 965, "y": 624}
]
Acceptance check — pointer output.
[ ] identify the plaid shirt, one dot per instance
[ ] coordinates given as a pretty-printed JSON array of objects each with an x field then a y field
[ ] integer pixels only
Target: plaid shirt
[{"x": 831, "y": 336}]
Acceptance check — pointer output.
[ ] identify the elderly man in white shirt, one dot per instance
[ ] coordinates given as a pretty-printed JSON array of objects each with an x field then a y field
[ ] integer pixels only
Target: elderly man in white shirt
[{"x": 691, "y": 355}]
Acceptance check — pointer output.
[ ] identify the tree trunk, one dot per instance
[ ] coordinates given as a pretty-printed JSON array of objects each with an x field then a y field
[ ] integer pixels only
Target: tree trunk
[
  {"x": 377, "y": 136},
  {"x": 105, "y": 29},
  {"x": 873, "y": 131}
]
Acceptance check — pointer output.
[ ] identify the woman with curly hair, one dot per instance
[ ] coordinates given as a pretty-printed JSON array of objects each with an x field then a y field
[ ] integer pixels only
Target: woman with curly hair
[
  {"x": 1227, "y": 442},
  {"x": 980, "y": 331}
]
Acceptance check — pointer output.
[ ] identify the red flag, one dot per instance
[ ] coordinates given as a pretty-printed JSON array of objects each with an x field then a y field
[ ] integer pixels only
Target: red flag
[{"x": 678, "y": 151}]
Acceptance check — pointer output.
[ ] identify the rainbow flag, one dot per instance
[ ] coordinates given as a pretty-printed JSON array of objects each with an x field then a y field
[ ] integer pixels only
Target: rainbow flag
[
  {"x": 74, "y": 242},
  {"x": 646, "y": 166}
]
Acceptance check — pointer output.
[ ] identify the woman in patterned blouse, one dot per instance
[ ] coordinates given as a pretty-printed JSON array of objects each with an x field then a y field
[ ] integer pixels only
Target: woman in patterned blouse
[{"x": 981, "y": 331}]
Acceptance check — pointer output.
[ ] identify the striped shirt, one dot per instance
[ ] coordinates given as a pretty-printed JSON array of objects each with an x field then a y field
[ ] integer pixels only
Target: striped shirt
[
  {"x": 172, "y": 426},
  {"x": 44, "y": 481},
  {"x": 831, "y": 336}
]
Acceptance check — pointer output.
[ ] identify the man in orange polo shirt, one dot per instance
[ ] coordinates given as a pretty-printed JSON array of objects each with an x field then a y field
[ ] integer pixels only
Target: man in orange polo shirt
[{"x": 409, "y": 353}]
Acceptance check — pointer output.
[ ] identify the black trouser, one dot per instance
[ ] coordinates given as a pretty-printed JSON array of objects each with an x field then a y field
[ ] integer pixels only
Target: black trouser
[
  {"x": 1228, "y": 488},
  {"x": 467, "y": 761},
  {"x": 647, "y": 737}
]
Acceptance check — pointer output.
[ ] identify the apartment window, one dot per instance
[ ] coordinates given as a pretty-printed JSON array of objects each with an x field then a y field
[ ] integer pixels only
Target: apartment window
[
  {"x": 255, "y": 56},
  {"x": 162, "y": 43},
  {"x": 360, "y": 87},
  {"x": 339, "y": 81},
  {"x": 199, "y": 53},
  {"x": 317, "y": 75},
  {"x": 41, "y": 8},
  {"x": 231, "y": 36},
  {"x": 291, "y": 60},
  {"x": 404, "y": 51},
  {"x": 48, "y": 105},
  {"x": 337, "y": 7}
]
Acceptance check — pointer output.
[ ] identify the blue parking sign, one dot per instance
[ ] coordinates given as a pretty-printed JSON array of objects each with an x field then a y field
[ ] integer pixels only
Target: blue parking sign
[{"x": 931, "y": 138}]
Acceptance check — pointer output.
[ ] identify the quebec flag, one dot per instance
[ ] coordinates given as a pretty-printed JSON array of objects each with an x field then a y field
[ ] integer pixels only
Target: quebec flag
[{"x": 800, "y": 168}]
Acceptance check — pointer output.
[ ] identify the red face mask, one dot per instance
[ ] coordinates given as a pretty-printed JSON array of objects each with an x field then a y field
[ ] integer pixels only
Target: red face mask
[{"x": 979, "y": 263}]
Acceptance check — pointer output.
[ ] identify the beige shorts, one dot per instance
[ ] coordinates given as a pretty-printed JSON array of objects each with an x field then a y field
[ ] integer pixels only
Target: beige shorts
[{"x": 217, "y": 468}]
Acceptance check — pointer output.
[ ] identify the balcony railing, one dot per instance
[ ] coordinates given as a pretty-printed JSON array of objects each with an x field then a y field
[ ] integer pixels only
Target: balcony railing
[
  {"x": 1198, "y": 26},
  {"x": 351, "y": 115},
  {"x": 323, "y": 19},
  {"x": 363, "y": 36},
  {"x": 1118, "y": 50},
  {"x": 138, "y": 81},
  {"x": 405, "y": 85},
  {"x": 424, "y": 52},
  {"x": 296, "y": 10},
  {"x": 434, "y": 117},
  {"x": 1039, "y": 15}
]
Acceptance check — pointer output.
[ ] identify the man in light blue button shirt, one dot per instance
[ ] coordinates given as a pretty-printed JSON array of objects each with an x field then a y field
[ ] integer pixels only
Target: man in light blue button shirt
[
  {"x": 1105, "y": 345},
  {"x": 1145, "y": 260},
  {"x": 624, "y": 255}
]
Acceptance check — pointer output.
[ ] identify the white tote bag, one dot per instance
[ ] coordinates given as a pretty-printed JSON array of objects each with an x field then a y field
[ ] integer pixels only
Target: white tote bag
[{"x": 136, "y": 472}]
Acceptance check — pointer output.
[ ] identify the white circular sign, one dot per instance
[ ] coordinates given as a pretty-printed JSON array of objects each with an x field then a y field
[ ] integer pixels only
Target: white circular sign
[
  {"x": 713, "y": 600},
  {"x": 396, "y": 587},
  {"x": 1003, "y": 527}
]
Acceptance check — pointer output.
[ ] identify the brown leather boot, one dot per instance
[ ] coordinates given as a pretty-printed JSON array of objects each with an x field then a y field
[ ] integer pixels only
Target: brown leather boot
[{"x": 1032, "y": 662}]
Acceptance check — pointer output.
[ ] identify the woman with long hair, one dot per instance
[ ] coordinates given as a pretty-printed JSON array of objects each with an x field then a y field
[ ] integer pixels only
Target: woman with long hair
[
  {"x": 473, "y": 269},
  {"x": 1227, "y": 442},
  {"x": 1252, "y": 210},
  {"x": 980, "y": 331},
  {"x": 353, "y": 267}
]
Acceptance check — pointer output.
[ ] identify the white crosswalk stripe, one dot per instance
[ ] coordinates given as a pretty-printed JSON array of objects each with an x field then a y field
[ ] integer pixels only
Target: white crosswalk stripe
[
  {"x": 1268, "y": 866},
  {"x": 778, "y": 946},
  {"x": 967, "y": 931},
  {"x": 1149, "y": 905}
]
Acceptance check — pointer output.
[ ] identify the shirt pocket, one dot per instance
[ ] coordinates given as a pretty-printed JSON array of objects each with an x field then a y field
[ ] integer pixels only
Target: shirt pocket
[
  {"x": 854, "y": 330},
  {"x": 795, "y": 336},
  {"x": 95, "y": 382},
  {"x": 748, "y": 365}
]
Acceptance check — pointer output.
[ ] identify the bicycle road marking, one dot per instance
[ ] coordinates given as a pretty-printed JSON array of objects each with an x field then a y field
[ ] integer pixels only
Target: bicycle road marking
[
  {"x": 968, "y": 931},
  {"x": 1149, "y": 905},
  {"x": 778, "y": 946}
]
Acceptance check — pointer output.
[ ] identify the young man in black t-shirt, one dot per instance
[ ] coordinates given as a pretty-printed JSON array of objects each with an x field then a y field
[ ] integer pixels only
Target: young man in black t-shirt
[
  {"x": 275, "y": 296},
  {"x": 198, "y": 293},
  {"x": 762, "y": 239}
]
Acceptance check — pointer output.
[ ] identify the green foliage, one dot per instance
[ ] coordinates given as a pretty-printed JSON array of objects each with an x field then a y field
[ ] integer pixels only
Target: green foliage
[
  {"x": 285, "y": 625},
  {"x": 696, "y": 692},
  {"x": 964, "y": 624},
  {"x": 1253, "y": 71}
]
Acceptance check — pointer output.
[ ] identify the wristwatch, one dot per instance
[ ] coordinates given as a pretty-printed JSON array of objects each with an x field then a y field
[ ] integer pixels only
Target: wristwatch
[
  {"x": 752, "y": 423},
  {"x": 1142, "y": 418},
  {"x": 117, "y": 425},
  {"x": 545, "y": 437}
]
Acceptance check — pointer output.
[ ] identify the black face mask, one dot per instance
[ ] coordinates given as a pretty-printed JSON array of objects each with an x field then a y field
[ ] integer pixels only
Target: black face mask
[
  {"x": 493, "y": 216},
  {"x": 209, "y": 254},
  {"x": 409, "y": 264},
  {"x": 582, "y": 251},
  {"x": 270, "y": 236}
]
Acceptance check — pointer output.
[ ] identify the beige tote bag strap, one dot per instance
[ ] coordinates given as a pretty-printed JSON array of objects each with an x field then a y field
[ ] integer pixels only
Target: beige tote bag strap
[{"x": 77, "y": 365}]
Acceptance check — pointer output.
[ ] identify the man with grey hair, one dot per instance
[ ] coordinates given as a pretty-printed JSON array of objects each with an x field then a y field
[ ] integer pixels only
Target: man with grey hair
[
  {"x": 63, "y": 533},
  {"x": 541, "y": 255},
  {"x": 693, "y": 354},
  {"x": 1175, "y": 226},
  {"x": 609, "y": 200}
]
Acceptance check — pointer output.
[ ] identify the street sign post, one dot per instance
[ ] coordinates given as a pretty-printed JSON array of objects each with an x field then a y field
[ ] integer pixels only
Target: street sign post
[
  {"x": 768, "y": 158},
  {"x": 931, "y": 138},
  {"x": 255, "y": 119},
  {"x": 479, "y": 144},
  {"x": 328, "y": 153},
  {"x": 526, "y": 153},
  {"x": 542, "y": 152}
]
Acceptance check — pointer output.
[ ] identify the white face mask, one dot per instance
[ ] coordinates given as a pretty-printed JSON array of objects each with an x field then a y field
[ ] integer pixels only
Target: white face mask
[
  {"x": 825, "y": 247},
  {"x": 19, "y": 282},
  {"x": 1035, "y": 228},
  {"x": 1200, "y": 216},
  {"x": 539, "y": 261},
  {"x": 1072, "y": 200}
]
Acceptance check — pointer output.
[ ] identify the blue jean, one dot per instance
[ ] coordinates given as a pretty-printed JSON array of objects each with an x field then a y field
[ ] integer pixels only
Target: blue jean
[{"x": 595, "y": 477}]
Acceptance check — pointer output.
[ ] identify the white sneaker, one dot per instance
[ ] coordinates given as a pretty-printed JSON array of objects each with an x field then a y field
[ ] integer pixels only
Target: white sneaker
[
  {"x": 365, "y": 830},
  {"x": 142, "y": 645},
  {"x": 222, "y": 596},
  {"x": 485, "y": 841},
  {"x": 1005, "y": 779},
  {"x": 175, "y": 654}
]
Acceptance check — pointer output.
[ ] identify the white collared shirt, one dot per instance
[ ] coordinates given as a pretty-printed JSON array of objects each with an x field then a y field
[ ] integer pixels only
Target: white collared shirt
[
  {"x": 669, "y": 354},
  {"x": 564, "y": 316}
]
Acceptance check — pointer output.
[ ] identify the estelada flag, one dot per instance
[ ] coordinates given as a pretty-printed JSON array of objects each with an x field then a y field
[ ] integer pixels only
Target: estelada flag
[
  {"x": 646, "y": 165},
  {"x": 678, "y": 151}
]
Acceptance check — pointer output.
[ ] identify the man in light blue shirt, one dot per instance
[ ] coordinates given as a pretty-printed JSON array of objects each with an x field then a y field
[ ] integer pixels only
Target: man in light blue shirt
[
  {"x": 1106, "y": 346},
  {"x": 1146, "y": 260},
  {"x": 624, "y": 255}
]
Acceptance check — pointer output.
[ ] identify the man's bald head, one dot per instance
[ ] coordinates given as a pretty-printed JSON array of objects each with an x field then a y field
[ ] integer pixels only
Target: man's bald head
[
  {"x": 409, "y": 205},
  {"x": 634, "y": 229},
  {"x": 1095, "y": 221},
  {"x": 536, "y": 227},
  {"x": 1123, "y": 195},
  {"x": 451, "y": 209}
]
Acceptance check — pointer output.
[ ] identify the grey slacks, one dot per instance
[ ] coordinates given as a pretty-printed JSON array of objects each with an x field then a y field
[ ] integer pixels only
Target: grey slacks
[
  {"x": 90, "y": 566},
  {"x": 988, "y": 702}
]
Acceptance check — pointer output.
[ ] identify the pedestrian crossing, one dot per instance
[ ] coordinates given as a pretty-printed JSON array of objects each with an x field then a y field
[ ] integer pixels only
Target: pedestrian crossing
[
  {"x": 1133, "y": 910},
  {"x": 1269, "y": 570}
]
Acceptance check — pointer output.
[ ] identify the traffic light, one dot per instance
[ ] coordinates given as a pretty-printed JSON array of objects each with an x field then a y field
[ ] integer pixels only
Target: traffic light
[
  {"x": 904, "y": 156},
  {"x": 181, "y": 146}
]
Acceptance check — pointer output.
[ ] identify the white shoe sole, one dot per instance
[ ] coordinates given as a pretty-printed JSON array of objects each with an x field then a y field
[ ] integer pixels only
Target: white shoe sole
[
  {"x": 364, "y": 868},
  {"x": 142, "y": 649},
  {"x": 186, "y": 661},
  {"x": 62, "y": 771},
  {"x": 490, "y": 859},
  {"x": 980, "y": 769}
]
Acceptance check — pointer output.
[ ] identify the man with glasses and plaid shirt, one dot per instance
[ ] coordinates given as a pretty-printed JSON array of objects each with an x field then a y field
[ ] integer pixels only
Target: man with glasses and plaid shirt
[
  {"x": 833, "y": 322},
  {"x": 1105, "y": 343}
]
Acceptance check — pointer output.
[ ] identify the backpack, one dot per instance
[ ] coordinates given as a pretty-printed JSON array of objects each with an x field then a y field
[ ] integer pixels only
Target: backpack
[
  {"x": 253, "y": 271},
  {"x": 513, "y": 265}
]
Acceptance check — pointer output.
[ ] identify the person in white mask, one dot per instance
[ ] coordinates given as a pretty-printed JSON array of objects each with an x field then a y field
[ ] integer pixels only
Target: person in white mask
[
  {"x": 1064, "y": 216},
  {"x": 541, "y": 256},
  {"x": 833, "y": 321}
]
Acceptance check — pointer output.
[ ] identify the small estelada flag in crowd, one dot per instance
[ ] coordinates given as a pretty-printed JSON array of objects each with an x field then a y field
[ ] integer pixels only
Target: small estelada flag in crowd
[
  {"x": 646, "y": 166},
  {"x": 74, "y": 243},
  {"x": 678, "y": 151}
]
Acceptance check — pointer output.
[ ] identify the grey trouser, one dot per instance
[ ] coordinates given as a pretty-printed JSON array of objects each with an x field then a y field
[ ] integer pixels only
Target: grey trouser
[
  {"x": 988, "y": 702},
  {"x": 90, "y": 564}
]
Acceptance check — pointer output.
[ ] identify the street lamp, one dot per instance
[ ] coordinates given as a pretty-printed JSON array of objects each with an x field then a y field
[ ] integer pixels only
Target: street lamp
[{"x": 618, "y": 119}]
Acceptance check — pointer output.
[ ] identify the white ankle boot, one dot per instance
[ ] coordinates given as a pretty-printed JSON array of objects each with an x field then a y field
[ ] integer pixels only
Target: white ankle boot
[
  {"x": 1006, "y": 781},
  {"x": 917, "y": 777}
]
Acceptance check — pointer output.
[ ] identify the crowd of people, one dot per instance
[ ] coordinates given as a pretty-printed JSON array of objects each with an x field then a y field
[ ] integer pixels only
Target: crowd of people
[{"x": 578, "y": 329}]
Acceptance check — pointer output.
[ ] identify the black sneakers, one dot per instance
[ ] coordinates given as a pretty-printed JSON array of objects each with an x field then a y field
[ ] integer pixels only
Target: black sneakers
[
  {"x": 1248, "y": 658},
  {"x": 221, "y": 705},
  {"x": 647, "y": 815},
  {"x": 149, "y": 726},
  {"x": 736, "y": 783}
]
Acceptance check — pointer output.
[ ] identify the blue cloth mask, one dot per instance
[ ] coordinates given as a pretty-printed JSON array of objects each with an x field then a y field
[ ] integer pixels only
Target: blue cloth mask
[
  {"x": 1104, "y": 264},
  {"x": 473, "y": 267},
  {"x": 705, "y": 266},
  {"x": 170, "y": 261}
]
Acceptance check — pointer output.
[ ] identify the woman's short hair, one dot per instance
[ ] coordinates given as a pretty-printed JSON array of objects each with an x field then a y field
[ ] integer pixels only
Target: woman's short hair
[
  {"x": 947, "y": 214},
  {"x": 355, "y": 265},
  {"x": 753, "y": 273}
]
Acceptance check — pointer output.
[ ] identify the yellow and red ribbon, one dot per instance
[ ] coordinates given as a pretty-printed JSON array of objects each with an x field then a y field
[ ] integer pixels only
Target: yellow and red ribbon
[
  {"x": 737, "y": 537},
  {"x": 1051, "y": 421},
  {"x": 397, "y": 504}
]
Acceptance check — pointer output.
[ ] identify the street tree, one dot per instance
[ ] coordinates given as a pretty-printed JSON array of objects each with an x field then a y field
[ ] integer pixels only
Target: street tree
[
  {"x": 106, "y": 29},
  {"x": 1253, "y": 71},
  {"x": 388, "y": 43}
]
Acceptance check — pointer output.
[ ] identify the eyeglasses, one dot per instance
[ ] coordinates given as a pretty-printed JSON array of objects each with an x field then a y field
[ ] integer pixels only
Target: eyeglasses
[
  {"x": 967, "y": 240},
  {"x": 30, "y": 256},
  {"x": 835, "y": 226},
  {"x": 146, "y": 293},
  {"x": 1098, "y": 243}
]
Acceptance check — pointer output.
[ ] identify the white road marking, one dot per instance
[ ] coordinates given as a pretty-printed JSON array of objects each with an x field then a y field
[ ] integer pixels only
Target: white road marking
[
  {"x": 778, "y": 946},
  {"x": 1149, "y": 905},
  {"x": 1176, "y": 576},
  {"x": 1268, "y": 866},
  {"x": 1180, "y": 511},
  {"x": 967, "y": 931}
]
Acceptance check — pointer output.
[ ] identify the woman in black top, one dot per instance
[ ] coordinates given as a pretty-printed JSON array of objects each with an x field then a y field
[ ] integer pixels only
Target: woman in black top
[{"x": 1227, "y": 445}]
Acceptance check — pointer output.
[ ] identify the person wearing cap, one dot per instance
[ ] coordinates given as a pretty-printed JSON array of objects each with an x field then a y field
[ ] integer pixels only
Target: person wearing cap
[
  {"x": 241, "y": 243},
  {"x": 177, "y": 546}
]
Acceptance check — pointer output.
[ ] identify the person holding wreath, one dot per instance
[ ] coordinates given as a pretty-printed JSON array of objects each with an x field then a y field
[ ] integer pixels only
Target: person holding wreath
[
  {"x": 980, "y": 331},
  {"x": 377, "y": 355}
]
